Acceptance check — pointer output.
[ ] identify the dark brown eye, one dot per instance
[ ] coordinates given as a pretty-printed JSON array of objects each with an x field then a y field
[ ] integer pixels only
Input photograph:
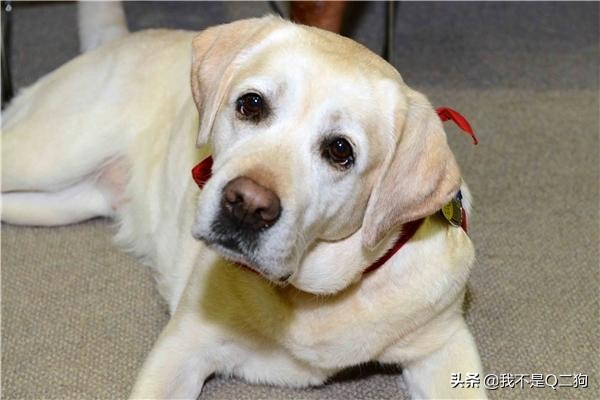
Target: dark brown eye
[
  {"x": 250, "y": 106},
  {"x": 339, "y": 152}
]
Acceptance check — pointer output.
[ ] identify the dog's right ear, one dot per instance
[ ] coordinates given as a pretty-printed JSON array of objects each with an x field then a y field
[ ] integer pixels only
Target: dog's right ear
[
  {"x": 421, "y": 176},
  {"x": 214, "y": 51}
]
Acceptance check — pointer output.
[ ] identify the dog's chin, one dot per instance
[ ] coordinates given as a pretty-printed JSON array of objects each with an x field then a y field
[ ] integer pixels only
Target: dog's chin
[{"x": 240, "y": 260}]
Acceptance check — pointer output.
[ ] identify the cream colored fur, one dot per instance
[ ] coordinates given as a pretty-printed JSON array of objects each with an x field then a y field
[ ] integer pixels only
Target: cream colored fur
[{"x": 112, "y": 133}]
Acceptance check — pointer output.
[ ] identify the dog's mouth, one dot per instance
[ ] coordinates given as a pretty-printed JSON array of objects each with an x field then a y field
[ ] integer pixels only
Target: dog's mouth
[
  {"x": 230, "y": 249},
  {"x": 244, "y": 249}
]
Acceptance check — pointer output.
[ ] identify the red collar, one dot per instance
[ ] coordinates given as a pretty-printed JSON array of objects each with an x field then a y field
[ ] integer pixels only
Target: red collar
[
  {"x": 203, "y": 171},
  {"x": 408, "y": 231}
]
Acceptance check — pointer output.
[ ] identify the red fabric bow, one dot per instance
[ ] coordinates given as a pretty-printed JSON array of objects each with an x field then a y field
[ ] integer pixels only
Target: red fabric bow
[{"x": 446, "y": 114}]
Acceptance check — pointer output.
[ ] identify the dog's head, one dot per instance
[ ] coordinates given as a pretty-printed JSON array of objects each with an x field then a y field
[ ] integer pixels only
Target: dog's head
[{"x": 319, "y": 149}]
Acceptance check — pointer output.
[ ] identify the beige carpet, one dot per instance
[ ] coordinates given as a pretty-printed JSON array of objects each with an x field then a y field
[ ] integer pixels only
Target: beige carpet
[{"x": 79, "y": 316}]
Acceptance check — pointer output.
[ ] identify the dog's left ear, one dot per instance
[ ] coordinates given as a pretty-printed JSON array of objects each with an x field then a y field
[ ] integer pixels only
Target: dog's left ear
[
  {"x": 214, "y": 52},
  {"x": 420, "y": 177}
]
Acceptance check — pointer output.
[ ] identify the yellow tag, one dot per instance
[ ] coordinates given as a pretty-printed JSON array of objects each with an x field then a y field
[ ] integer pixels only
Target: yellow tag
[
  {"x": 452, "y": 211},
  {"x": 447, "y": 210}
]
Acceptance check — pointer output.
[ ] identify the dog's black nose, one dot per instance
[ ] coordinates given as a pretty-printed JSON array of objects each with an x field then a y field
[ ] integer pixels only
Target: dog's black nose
[{"x": 250, "y": 204}]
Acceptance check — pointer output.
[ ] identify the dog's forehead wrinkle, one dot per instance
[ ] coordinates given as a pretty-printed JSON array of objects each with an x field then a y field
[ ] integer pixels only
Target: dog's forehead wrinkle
[
  {"x": 335, "y": 116},
  {"x": 277, "y": 35},
  {"x": 337, "y": 50},
  {"x": 283, "y": 47}
]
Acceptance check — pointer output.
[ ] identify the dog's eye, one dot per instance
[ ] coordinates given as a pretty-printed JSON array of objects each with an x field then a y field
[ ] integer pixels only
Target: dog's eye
[
  {"x": 339, "y": 152},
  {"x": 250, "y": 106}
]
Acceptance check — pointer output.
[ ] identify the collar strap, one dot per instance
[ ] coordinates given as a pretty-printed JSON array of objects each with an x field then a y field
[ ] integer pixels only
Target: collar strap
[
  {"x": 408, "y": 231},
  {"x": 453, "y": 211}
]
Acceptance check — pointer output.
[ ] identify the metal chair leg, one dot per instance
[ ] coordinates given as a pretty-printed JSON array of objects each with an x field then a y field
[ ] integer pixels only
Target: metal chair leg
[
  {"x": 7, "y": 87},
  {"x": 390, "y": 24}
]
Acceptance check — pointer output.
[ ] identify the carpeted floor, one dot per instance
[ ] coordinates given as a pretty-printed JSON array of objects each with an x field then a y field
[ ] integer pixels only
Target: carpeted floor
[{"x": 78, "y": 315}]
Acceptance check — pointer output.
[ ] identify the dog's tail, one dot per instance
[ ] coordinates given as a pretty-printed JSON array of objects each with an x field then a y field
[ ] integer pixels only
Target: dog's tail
[{"x": 99, "y": 23}]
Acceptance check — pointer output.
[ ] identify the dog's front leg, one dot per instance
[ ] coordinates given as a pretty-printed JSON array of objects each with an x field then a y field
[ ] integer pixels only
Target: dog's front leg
[
  {"x": 180, "y": 362},
  {"x": 440, "y": 366},
  {"x": 451, "y": 372}
]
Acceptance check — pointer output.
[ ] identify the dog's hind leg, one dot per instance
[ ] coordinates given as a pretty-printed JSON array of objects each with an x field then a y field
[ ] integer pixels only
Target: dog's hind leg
[
  {"x": 50, "y": 153},
  {"x": 59, "y": 158},
  {"x": 50, "y": 198},
  {"x": 76, "y": 203},
  {"x": 56, "y": 183},
  {"x": 53, "y": 177}
]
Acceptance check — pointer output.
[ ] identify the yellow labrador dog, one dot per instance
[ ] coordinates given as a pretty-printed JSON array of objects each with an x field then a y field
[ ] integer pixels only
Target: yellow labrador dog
[{"x": 321, "y": 155}]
